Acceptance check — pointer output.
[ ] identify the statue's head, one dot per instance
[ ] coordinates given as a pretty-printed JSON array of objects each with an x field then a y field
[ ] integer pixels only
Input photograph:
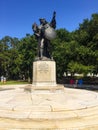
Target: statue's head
[{"x": 42, "y": 21}]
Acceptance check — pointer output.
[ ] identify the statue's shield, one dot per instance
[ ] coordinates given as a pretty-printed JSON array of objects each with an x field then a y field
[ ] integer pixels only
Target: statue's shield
[{"x": 49, "y": 32}]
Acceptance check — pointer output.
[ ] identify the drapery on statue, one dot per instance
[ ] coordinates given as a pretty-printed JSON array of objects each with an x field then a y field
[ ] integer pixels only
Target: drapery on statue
[{"x": 44, "y": 33}]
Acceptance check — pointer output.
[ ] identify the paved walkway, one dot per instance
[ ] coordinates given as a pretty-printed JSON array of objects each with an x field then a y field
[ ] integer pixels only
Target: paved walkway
[{"x": 26, "y": 108}]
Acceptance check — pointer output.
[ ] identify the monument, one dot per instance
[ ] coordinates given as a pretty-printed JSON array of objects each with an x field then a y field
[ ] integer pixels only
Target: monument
[
  {"x": 44, "y": 67},
  {"x": 44, "y": 33},
  {"x": 44, "y": 104}
]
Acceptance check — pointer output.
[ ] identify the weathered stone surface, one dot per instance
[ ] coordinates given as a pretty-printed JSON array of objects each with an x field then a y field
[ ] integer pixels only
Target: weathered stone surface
[
  {"x": 60, "y": 108},
  {"x": 44, "y": 73}
]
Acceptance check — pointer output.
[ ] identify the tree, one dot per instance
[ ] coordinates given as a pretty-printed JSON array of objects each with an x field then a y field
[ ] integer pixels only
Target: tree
[
  {"x": 75, "y": 51},
  {"x": 59, "y": 51},
  {"x": 8, "y": 57},
  {"x": 87, "y": 37},
  {"x": 27, "y": 51}
]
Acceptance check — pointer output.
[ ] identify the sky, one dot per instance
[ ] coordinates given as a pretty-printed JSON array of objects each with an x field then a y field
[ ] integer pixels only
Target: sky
[{"x": 17, "y": 16}]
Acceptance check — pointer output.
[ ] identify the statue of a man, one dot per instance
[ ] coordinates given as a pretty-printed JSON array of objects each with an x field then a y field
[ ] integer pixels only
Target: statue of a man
[{"x": 44, "y": 33}]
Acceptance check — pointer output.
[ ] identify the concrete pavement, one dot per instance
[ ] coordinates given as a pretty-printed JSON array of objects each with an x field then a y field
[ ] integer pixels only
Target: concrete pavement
[{"x": 25, "y": 108}]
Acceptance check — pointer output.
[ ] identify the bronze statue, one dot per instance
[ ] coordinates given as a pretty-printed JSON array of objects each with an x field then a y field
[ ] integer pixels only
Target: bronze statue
[{"x": 44, "y": 33}]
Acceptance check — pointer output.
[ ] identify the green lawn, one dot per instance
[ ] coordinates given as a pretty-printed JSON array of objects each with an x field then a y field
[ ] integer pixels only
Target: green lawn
[{"x": 14, "y": 82}]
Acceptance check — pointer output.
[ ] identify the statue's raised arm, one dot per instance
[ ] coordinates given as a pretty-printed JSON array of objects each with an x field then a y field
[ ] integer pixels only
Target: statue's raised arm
[{"x": 53, "y": 21}]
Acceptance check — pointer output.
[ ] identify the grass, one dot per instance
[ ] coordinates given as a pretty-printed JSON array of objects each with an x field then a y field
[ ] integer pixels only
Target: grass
[{"x": 13, "y": 82}]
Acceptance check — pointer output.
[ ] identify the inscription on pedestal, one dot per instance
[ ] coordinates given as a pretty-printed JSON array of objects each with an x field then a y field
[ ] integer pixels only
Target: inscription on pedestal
[
  {"x": 44, "y": 73},
  {"x": 43, "y": 67}
]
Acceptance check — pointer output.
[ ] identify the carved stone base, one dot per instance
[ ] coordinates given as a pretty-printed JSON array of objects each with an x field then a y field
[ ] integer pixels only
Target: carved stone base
[{"x": 44, "y": 73}]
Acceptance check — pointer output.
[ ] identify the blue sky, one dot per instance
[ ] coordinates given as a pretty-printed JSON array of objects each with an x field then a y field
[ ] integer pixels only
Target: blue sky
[{"x": 17, "y": 16}]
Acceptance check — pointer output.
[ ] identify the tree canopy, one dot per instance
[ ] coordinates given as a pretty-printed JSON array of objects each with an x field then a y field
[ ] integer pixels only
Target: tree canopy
[{"x": 74, "y": 52}]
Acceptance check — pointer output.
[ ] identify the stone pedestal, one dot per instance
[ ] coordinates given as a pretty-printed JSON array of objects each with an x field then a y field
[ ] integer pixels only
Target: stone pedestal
[{"x": 44, "y": 73}]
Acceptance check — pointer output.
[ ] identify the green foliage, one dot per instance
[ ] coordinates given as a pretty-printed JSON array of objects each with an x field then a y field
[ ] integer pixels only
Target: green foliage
[
  {"x": 59, "y": 51},
  {"x": 11, "y": 82},
  {"x": 75, "y": 67},
  {"x": 74, "y": 52},
  {"x": 27, "y": 51}
]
